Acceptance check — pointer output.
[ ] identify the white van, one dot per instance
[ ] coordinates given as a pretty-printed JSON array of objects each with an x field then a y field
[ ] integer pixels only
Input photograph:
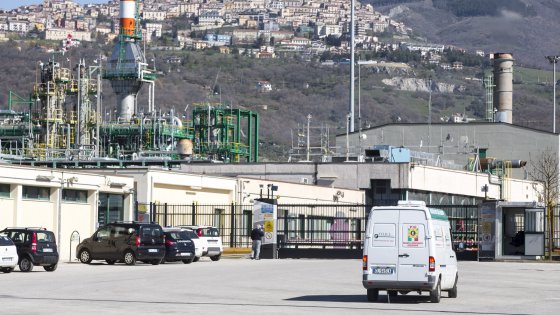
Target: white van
[{"x": 408, "y": 248}]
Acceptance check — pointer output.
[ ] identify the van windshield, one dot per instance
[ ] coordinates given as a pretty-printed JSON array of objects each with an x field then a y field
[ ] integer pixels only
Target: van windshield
[{"x": 151, "y": 232}]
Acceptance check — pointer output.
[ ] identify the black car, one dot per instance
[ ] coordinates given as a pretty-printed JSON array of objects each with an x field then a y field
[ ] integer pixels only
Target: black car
[
  {"x": 178, "y": 246},
  {"x": 35, "y": 247},
  {"x": 124, "y": 241}
]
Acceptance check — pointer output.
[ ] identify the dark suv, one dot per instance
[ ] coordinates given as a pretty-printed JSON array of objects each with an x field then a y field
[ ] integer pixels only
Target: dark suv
[
  {"x": 124, "y": 241},
  {"x": 35, "y": 247}
]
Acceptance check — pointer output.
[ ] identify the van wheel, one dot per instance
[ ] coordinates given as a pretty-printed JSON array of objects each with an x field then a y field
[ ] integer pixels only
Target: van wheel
[
  {"x": 25, "y": 264},
  {"x": 196, "y": 259},
  {"x": 453, "y": 291},
  {"x": 85, "y": 256},
  {"x": 372, "y": 295},
  {"x": 7, "y": 270},
  {"x": 215, "y": 258},
  {"x": 435, "y": 294},
  {"x": 129, "y": 258}
]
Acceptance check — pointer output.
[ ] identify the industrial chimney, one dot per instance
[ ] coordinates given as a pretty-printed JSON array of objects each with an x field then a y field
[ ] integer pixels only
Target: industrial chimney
[
  {"x": 127, "y": 67},
  {"x": 503, "y": 86}
]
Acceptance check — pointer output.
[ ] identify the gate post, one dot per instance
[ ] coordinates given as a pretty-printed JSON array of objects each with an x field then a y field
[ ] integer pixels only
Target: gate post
[
  {"x": 152, "y": 212},
  {"x": 165, "y": 214},
  {"x": 232, "y": 226},
  {"x": 193, "y": 222}
]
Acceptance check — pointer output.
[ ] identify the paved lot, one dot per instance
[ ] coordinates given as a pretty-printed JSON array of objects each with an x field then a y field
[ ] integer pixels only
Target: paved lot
[{"x": 242, "y": 286}]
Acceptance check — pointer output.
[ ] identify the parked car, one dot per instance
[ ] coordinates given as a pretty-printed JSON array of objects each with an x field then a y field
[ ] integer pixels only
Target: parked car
[
  {"x": 178, "y": 246},
  {"x": 35, "y": 247},
  {"x": 124, "y": 241},
  {"x": 8, "y": 254},
  {"x": 199, "y": 245},
  {"x": 211, "y": 240}
]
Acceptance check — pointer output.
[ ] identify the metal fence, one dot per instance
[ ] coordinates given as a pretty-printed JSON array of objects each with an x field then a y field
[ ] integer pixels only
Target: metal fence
[{"x": 299, "y": 225}]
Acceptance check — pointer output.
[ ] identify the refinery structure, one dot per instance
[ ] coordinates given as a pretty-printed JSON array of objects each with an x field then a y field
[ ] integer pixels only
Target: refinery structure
[{"x": 64, "y": 121}]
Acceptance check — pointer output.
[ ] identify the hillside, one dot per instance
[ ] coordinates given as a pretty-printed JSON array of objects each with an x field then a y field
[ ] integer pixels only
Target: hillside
[
  {"x": 526, "y": 28},
  {"x": 299, "y": 88}
]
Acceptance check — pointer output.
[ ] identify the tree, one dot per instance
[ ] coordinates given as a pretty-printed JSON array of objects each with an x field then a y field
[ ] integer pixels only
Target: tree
[{"x": 544, "y": 170}]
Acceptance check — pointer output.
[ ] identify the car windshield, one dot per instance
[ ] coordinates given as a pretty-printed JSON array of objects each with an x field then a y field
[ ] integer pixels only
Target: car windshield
[
  {"x": 5, "y": 241},
  {"x": 191, "y": 234},
  {"x": 151, "y": 231},
  {"x": 210, "y": 231},
  {"x": 43, "y": 237},
  {"x": 177, "y": 235}
]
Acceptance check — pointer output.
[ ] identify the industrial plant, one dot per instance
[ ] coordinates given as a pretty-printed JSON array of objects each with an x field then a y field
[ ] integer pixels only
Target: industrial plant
[{"x": 64, "y": 122}]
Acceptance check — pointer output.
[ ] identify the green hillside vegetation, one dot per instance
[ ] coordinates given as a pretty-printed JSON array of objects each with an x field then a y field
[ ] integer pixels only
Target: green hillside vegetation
[
  {"x": 466, "y": 8},
  {"x": 299, "y": 88}
]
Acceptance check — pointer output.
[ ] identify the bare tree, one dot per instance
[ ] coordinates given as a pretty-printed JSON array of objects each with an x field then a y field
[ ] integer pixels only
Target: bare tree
[{"x": 544, "y": 170}]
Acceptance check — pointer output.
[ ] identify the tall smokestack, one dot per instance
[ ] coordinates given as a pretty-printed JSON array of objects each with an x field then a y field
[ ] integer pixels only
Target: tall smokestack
[
  {"x": 128, "y": 17},
  {"x": 503, "y": 90}
]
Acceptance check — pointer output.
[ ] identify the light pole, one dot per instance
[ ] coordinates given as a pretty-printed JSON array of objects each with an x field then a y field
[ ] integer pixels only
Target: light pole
[
  {"x": 553, "y": 60},
  {"x": 348, "y": 117},
  {"x": 352, "y": 60}
]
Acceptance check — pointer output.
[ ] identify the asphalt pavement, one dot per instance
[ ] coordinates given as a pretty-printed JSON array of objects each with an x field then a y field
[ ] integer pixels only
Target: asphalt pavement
[{"x": 289, "y": 286}]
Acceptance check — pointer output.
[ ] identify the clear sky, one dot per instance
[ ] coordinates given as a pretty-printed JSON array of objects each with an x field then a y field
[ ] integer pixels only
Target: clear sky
[{"x": 11, "y": 4}]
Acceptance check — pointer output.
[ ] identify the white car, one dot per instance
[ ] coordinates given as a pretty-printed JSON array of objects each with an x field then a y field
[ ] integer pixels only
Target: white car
[
  {"x": 211, "y": 239},
  {"x": 8, "y": 254},
  {"x": 199, "y": 245}
]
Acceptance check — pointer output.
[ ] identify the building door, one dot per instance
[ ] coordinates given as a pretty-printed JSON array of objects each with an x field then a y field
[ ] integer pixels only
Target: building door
[
  {"x": 110, "y": 208},
  {"x": 534, "y": 232}
]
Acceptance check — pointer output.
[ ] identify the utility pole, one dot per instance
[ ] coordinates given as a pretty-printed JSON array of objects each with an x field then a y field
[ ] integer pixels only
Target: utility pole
[
  {"x": 352, "y": 53},
  {"x": 553, "y": 60}
]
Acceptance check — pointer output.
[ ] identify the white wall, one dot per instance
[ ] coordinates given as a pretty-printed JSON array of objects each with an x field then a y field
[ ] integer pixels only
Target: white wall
[
  {"x": 435, "y": 179},
  {"x": 82, "y": 217}
]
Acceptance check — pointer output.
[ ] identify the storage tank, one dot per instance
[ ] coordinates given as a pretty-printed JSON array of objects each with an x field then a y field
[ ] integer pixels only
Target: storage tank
[
  {"x": 503, "y": 86},
  {"x": 184, "y": 148}
]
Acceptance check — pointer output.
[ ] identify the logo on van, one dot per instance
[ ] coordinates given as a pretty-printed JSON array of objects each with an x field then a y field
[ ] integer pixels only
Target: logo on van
[{"x": 413, "y": 233}]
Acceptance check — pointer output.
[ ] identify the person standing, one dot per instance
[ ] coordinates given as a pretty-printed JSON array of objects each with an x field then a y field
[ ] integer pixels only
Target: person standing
[{"x": 256, "y": 236}]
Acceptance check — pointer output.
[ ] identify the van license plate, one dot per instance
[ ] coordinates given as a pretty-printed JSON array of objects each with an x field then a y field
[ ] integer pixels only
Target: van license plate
[
  {"x": 383, "y": 270},
  {"x": 47, "y": 250},
  {"x": 6, "y": 258},
  {"x": 152, "y": 250}
]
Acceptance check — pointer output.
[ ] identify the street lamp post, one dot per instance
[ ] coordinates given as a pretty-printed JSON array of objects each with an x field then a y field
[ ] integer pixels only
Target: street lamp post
[{"x": 553, "y": 60}]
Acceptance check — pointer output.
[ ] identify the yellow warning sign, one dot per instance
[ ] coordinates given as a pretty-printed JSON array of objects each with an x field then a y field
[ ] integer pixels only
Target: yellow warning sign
[{"x": 269, "y": 226}]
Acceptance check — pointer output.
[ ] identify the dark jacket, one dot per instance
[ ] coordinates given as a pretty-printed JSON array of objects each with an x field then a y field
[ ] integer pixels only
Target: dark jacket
[{"x": 257, "y": 234}]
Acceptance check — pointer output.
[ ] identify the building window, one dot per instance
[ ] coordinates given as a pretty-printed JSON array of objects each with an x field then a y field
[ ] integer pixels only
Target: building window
[
  {"x": 74, "y": 195},
  {"x": 34, "y": 192},
  {"x": 4, "y": 190}
]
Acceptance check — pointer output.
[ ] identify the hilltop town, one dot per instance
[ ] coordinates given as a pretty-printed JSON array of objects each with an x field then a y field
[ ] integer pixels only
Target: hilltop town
[{"x": 263, "y": 29}]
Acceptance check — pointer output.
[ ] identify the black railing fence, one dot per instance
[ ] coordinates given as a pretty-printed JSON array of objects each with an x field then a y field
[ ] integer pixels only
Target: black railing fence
[{"x": 298, "y": 225}]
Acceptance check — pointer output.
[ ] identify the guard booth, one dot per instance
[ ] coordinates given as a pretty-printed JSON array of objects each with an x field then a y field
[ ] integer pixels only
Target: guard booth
[{"x": 511, "y": 230}]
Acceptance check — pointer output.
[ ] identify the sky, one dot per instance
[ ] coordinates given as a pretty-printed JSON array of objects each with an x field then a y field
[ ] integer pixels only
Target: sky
[{"x": 11, "y": 4}]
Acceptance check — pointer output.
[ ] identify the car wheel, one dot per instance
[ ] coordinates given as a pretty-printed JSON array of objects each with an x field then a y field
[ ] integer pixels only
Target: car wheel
[
  {"x": 372, "y": 295},
  {"x": 129, "y": 258},
  {"x": 215, "y": 258},
  {"x": 188, "y": 261},
  {"x": 85, "y": 256},
  {"x": 453, "y": 291},
  {"x": 50, "y": 268},
  {"x": 110, "y": 261},
  {"x": 155, "y": 262},
  {"x": 25, "y": 264},
  {"x": 435, "y": 294},
  {"x": 196, "y": 259}
]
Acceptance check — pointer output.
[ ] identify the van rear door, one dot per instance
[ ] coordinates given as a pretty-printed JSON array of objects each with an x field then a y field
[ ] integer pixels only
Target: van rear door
[
  {"x": 382, "y": 245},
  {"x": 413, "y": 246}
]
